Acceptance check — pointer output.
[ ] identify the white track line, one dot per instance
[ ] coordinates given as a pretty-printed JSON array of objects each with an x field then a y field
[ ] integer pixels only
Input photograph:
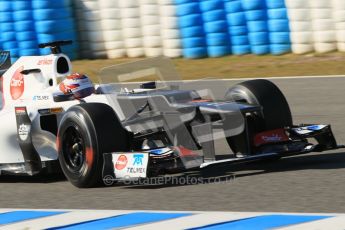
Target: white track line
[
  {"x": 5, "y": 210},
  {"x": 334, "y": 223},
  {"x": 197, "y": 220},
  {"x": 62, "y": 219}
]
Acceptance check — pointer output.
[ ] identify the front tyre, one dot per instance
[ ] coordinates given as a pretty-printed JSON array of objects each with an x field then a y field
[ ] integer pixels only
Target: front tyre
[
  {"x": 87, "y": 131},
  {"x": 275, "y": 113}
]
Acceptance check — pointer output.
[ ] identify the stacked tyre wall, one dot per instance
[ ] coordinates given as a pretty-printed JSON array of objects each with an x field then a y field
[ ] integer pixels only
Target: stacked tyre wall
[
  {"x": 216, "y": 27},
  {"x": 8, "y": 39},
  {"x": 174, "y": 28},
  {"x": 26, "y": 23}
]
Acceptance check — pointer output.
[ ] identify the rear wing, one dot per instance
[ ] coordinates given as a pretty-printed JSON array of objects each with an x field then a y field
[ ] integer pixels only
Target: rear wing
[{"x": 5, "y": 61}]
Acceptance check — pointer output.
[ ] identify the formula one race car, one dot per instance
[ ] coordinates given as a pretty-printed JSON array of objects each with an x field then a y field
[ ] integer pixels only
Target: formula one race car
[{"x": 123, "y": 129}]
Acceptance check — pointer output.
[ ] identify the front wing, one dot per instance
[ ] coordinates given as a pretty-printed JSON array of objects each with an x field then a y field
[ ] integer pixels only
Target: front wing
[{"x": 122, "y": 166}]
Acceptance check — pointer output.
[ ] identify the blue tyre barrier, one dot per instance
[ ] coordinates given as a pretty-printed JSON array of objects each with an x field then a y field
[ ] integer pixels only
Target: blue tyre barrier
[
  {"x": 53, "y": 26},
  {"x": 187, "y": 8},
  {"x": 6, "y": 27},
  {"x": 194, "y": 31},
  {"x": 5, "y": 6},
  {"x": 278, "y": 49},
  {"x": 13, "y": 59},
  {"x": 209, "y": 5},
  {"x": 70, "y": 52},
  {"x": 196, "y": 52},
  {"x": 215, "y": 15},
  {"x": 9, "y": 45},
  {"x": 26, "y": 36},
  {"x": 28, "y": 52},
  {"x": 66, "y": 35},
  {"x": 24, "y": 25},
  {"x": 279, "y": 37},
  {"x": 190, "y": 20},
  {"x": 218, "y": 51},
  {"x": 239, "y": 40},
  {"x": 238, "y": 30},
  {"x": 14, "y": 52},
  {"x": 260, "y": 49},
  {"x": 257, "y": 26},
  {"x": 6, "y": 17},
  {"x": 22, "y": 15},
  {"x": 8, "y": 36},
  {"x": 21, "y": 5},
  {"x": 258, "y": 38},
  {"x": 274, "y": 4},
  {"x": 278, "y": 25},
  {"x": 51, "y": 14},
  {"x": 217, "y": 39},
  {"x": 233, "y": 6},
  {"x": 193, "y": 42},
  {"x": 240, "y": 50},
  {"x": 277, "y": 13},
  {"x": 27, "y": 44},
  {"x": 253, "y": 4},
  {"x": 255, "y": 15},
  {"x": 44, "y": 51},
  {"x": 216, "y": 27},
  {"x": 49, "y": 4},
  {"x": 236, "y": 19}
]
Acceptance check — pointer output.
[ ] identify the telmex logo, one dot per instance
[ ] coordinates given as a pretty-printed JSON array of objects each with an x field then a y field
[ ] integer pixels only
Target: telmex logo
[{"x": 17, "y": 84}]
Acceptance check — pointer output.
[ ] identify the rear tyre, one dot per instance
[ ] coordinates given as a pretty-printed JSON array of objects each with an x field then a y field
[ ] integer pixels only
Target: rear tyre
[
  {"x": 275, "y": 109},
  {"x": 86, "y": 132}
]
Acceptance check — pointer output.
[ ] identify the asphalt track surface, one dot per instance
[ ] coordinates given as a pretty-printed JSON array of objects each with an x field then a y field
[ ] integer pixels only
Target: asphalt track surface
[{"x": 308, "y": 183}]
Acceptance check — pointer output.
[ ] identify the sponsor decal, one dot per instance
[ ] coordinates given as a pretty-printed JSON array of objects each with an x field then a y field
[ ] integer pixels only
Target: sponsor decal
[
  {"x": 23, "y": 132},
  {"x": 17, "y": 84},
  {"x": 20, "y": 110},
  {"x": 45, "y": 62},
  {"x": 138, "y": 159},
  {"x": 137, "y": 164},
  {"x": 50, "y": 111},
  {"x": 272, "y": 136},
  {"x": 40, "y": 98},
  {"x": 121, "y": 162},
  {"x": 130, "y": 165},
  {"x": 133, "y": 170},
  {"x": 56, "y": 110}
]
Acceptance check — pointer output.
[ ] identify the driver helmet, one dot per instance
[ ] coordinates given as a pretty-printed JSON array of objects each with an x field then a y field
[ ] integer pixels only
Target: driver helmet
[{"x": 78, "y": 85}]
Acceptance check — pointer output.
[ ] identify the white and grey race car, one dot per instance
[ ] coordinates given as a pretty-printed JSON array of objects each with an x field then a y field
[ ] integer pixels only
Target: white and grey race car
[{"x": 126, "y": 131}]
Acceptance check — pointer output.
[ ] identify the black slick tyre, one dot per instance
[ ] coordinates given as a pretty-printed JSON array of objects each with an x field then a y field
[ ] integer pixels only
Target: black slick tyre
[
  {"x": 86, "y": 131},
  {"x": 275, "y": 108}
]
